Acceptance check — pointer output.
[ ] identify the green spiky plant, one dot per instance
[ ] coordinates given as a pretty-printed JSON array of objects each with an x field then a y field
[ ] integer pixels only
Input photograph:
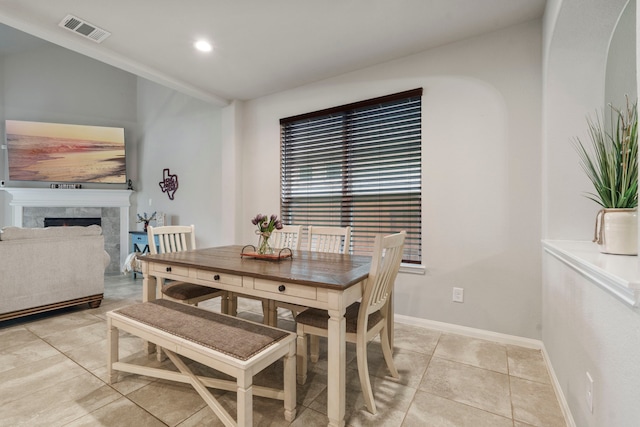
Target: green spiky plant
[{"x": 612, "y": 162}]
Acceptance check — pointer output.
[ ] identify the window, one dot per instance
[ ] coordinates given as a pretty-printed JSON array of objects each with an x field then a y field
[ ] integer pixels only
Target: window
[{"x": 356, "y": 165}]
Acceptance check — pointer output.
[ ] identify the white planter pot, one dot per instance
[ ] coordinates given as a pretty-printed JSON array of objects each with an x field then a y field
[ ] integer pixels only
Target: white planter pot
[{"x": 617, "y": 231}]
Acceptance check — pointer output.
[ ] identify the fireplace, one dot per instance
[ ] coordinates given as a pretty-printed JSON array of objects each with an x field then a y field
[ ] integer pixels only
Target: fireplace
[
  {"x": 31, "y": 205},
  {"x": 72, "y": 221}
]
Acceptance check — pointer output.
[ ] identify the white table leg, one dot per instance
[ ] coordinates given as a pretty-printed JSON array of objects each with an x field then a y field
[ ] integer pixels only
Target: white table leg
[
  {"x": 336, "y": 368},
  {"x": 148, "y": 284}
]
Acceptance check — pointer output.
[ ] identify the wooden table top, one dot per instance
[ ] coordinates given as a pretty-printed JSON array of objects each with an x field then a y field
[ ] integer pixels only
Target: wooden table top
[{"x": 324, "y": 270}]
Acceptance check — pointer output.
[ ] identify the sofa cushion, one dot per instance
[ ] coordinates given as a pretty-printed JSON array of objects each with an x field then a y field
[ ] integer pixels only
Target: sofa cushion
[{"x": 19, "y": 233}]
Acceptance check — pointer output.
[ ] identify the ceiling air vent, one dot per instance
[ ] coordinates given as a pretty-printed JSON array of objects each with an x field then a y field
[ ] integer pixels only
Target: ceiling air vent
[{"x": 83, "y": 28}]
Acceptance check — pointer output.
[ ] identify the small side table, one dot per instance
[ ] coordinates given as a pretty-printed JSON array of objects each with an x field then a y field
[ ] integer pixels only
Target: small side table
[{"x": 139, "y": 242}]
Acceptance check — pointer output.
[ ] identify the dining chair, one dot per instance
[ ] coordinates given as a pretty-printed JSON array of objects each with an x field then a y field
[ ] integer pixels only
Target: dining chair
[
  {"x": 321, "y": 239},
  {"x": 365, "y": 319},
  {"x": 329, "y": 239},
  {"x": 287, "y": 237},
  {"x": 179, "y": 238}
]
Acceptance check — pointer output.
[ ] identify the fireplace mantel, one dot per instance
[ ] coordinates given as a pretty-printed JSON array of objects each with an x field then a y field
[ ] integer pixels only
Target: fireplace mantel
[
  {"x": 49, "y": 197},
  {"x": 40, "y": 197}
]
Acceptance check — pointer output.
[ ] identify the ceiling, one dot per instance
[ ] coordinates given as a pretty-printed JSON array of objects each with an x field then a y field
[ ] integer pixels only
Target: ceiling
[{"x": 260, "y": 47}]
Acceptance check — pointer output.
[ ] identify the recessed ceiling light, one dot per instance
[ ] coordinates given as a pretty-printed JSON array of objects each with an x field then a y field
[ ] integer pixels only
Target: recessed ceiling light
[{"x": 203, "y": 46}]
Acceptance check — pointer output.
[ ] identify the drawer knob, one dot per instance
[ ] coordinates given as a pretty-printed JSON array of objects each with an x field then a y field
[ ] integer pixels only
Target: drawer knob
[
  {"x": 281, "y": 288},
  {"x": 168, "y": 269},
  {"x": 216, "y": 277}
]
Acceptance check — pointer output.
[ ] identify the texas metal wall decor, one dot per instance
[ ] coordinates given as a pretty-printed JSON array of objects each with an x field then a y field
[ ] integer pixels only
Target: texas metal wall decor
[{"x": 169, "y": 183}]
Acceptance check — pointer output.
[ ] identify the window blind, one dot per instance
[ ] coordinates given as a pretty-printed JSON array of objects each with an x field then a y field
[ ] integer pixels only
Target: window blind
[{"x": 357, "y": 165}]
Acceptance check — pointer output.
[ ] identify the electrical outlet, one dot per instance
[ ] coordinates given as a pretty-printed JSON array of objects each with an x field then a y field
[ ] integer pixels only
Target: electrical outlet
[
  {"x": 458, "y": 295},
  {"x": 589, "y": 394}
]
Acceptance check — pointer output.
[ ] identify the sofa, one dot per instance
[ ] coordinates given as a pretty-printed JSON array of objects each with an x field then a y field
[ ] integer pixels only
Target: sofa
[{"x": 44, "y": 269}]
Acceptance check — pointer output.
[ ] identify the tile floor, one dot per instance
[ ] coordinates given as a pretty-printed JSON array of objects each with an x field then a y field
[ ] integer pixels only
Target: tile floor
[{"x": 53, "y": 373}]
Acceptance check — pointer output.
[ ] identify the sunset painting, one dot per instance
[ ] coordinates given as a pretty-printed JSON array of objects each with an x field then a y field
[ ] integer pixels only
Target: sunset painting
[{"x": 65, "y": 153}]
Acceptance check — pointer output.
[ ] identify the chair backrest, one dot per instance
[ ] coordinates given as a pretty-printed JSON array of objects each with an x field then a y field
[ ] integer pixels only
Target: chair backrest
[
  {"x": 385, "y": 263},
  {"x": 287, "y": 237},
  {"x": 171, "y": 238},
  {"x": 329, "y": 239}
]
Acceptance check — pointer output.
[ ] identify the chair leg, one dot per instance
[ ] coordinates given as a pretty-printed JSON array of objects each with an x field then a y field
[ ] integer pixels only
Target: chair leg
[
  {"x": 363, "y": 373},
  {"x": 232, "y": 304},
  {"x": 273, "y": 313},
  {"x": 224, "y": 303},
  {"x": 301, "y": 357},
  {"x": 388, "y": 354},
  {"x": 315, "y": 348}
]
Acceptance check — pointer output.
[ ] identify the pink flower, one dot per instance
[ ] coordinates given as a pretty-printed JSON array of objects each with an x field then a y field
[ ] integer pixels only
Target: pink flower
[{"x": 266, "y": 224}]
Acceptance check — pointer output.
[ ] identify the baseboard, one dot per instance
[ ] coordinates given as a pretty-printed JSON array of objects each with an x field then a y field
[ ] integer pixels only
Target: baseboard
[
  {"x": 502, "y": 339},
  {"x": 470, "y": 332},
  {"x": 564, "y": 406}
]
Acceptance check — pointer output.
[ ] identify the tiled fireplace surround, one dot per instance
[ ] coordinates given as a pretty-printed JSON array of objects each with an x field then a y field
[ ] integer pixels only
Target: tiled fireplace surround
[{"x": 31, "y": 206}]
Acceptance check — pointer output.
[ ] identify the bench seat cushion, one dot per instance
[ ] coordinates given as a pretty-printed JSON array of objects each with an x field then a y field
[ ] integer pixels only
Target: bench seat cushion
[{"x": 229, "y": 335}]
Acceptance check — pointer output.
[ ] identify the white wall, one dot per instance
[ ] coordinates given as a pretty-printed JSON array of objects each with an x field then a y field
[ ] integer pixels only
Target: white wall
[
  {"x": 574, "y": 87},
  {"x": 231, "y": 170},
  {"x": 163, "y": 129},
  {"x": 4, "y": 207},
  {"x": 481, "y": 151},
  {"x": 54, "y": 84},
  {"x": 620, "y": 77},
  {"x": 585, "y": 329},
  {"x": 183, "y": 134}
]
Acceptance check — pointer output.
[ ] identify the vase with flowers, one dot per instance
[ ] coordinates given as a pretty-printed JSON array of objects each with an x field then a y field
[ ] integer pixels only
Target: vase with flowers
[
  {"x": 265, "y": 225},
  {"x": 146, "y": 219},
  {"x": 611, "y": 164}
]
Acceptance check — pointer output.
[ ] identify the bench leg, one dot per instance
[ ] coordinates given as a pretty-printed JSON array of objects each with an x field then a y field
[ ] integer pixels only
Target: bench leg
[
  {"x": 245, "y": 400},
  {"x": 290, "y": 383},
  {"x": 112, "y": 352},
  {"x": 202, "y": 390}
]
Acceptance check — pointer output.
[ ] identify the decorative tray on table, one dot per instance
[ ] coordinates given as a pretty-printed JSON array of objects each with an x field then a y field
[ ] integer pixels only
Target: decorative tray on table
[{"x": 252, "y": 252}]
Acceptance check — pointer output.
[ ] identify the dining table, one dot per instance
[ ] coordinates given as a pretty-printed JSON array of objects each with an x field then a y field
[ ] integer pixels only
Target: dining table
[{"x": 312, "y": 279}]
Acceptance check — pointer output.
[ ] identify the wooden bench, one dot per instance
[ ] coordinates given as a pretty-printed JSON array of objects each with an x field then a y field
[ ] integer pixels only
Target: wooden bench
[{"x": 231, "y": 345}]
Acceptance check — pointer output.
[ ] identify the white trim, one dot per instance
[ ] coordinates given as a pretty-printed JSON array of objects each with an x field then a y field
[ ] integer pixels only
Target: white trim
[
  {"x": 502, "y": 339},
  {"x": 564, "y": 406},
  {"x": 469, "y": 332},
  {"x": 617, "y": 274},
  {"x": 412, "y": 269}
]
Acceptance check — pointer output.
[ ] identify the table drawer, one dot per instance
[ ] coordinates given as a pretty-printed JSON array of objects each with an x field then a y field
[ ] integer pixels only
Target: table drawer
[
  {"x": 171, "y": 269},
  {"x": 291, "y": 289},
  {"x": 213, "y": 277}
]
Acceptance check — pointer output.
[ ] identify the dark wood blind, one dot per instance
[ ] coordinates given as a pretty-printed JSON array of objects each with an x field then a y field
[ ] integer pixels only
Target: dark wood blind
[{"x": 357, "y": 165}]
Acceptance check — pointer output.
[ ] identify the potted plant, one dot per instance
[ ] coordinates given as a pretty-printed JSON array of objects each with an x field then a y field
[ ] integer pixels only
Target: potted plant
[{"x": 611, "y": 164}]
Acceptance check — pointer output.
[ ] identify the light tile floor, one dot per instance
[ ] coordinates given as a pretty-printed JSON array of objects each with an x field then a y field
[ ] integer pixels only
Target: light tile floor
[{"x": 53, "y": 373}]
